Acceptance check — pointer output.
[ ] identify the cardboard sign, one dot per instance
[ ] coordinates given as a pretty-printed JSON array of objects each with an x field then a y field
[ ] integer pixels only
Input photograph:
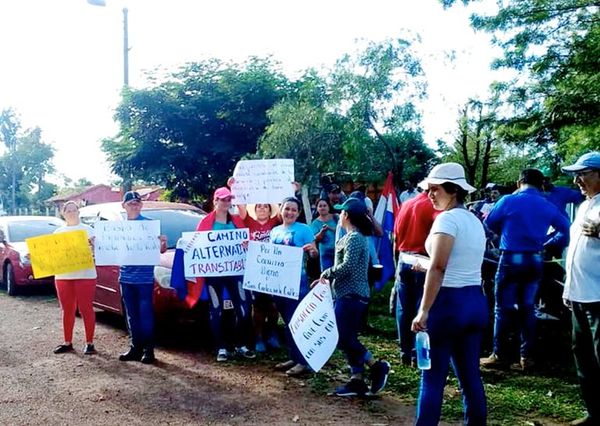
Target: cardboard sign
[
  {"x": 60, "y": 253},
  {"x": 127, "y": 242},
  {"x": 262, "y": 181},
  {"x": 314, "y": 327},
  {"x": 214, "y": 253},
  {"x": 274, "y": 269}
]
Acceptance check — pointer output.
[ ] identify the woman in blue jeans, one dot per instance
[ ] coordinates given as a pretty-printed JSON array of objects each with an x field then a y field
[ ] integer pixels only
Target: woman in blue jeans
[
  {"x": 453, "y": 308},
  {"x": 295, "y": 234},
  {"x": 351, "y": 292}
]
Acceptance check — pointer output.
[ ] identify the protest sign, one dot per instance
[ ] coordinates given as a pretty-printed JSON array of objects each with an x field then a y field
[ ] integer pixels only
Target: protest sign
[
  {"x": 262, "y": 181},
  {"x": 214, "y": 253},
  {"x": 314, "y": 327},
  {"x": 274, "y": 269},
  {"x": 127, "y": 242},
  {"x": 60, "y": 253}
]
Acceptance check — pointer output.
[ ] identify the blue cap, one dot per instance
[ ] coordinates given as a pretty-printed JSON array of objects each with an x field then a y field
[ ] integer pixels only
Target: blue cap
[
  {"x": 131, "y": 196},
  {"x": 352, "y": 205},
  {"x": 591, "y": 160}
]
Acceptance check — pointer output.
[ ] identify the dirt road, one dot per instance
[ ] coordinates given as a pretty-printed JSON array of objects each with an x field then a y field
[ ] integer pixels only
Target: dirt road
[{"x": 185, "y": 386}]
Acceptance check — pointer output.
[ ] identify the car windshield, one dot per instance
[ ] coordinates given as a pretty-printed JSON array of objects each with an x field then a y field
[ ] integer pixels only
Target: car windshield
[
  {"x": 174, "y": 222},
  {"x": 20, "y": 231}
]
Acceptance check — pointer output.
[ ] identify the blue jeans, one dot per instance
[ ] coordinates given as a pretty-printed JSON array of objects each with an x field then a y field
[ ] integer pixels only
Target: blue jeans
[
  {"x": 456, "y": 323},
  {"x": 286, "y": 308},
  {"x": 409, "y": 291},
  {"x": 139, "y": 312},
  {"x": 517, "y": 282},
  {"x": 586, "y": 349},
  {"x": 349, "y": 311},
  {"x": 241, "y": 300}
]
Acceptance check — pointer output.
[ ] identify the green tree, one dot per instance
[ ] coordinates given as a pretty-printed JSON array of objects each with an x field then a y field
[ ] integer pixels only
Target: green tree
[
  {"x": 25, "y": 168},
  {"x": 359, "y": 119},
  {"x": 375, "y": 90},
  {"x": 9, "y": 128},
  {"x": 190, "y": 130},
  {"x": 554, "y": 46},
  {"x": 309, "y": 134}
]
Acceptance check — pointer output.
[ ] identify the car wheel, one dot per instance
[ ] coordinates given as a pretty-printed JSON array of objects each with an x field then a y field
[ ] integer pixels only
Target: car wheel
[{"x": 9, "y": 280}]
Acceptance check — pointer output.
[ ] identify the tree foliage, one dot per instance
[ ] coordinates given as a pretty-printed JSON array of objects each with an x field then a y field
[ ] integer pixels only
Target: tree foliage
[
  {"x": 189, "y": 131},
  {"x": 25, "y": 165},
  {"x": 376, "y": 90},
  {"x": 359, "y": 119},
  {"x": 554, "y": 45}
]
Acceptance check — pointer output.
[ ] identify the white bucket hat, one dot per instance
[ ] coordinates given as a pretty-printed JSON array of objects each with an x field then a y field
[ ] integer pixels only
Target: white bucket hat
[{"x": 447, "y": 172}]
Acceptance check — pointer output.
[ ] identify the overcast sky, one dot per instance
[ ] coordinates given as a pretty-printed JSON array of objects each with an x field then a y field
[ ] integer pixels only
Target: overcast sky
[{"x": 62, "y": 68}]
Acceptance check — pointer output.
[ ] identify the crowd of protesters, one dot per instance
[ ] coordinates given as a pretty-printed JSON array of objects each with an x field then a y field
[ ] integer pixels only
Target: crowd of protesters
[{"x": 440, "y": 242}]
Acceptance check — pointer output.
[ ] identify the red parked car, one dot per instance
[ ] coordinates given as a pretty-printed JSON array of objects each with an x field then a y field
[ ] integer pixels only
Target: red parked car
[
  {"x": 14, "y": 255},
  {"x": 175, "y": 218}
]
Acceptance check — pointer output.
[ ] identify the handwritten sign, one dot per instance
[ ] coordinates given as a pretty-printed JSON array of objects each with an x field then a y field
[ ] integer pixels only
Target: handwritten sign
[
  {"x": 273, "y": 269},
  {"x": 214, "y": 253},
  {"x": 127, "y": 242},
  {"x": 262, "y": 181},
  {"x": 59, "y": 253},
  {"x": 314, "y": 327}
]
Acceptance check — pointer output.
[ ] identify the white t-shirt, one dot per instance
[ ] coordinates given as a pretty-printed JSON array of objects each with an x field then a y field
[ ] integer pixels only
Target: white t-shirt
[
  {"x": 466, "y": 257},
  {"x": 583, "y": 274},
  {"x": 84, "y": 274}
]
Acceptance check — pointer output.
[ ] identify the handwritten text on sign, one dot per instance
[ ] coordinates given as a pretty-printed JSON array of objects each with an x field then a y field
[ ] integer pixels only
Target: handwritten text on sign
[
  {"x": 314, "y": 327},
  {"x": 60, "y": 253},
  {"x": 262, "y": 181},
  {"x": 215, "y": 253},
  {"x": 127, "y": 242},
  {"x": 273, "y": 269}
]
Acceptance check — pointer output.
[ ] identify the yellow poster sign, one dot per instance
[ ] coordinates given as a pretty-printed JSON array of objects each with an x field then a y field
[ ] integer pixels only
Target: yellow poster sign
[{"x": 59, "y": 253}]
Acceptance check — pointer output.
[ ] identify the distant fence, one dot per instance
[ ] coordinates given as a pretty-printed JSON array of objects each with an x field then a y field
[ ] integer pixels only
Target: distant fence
[{"x": 30, "y": 211}]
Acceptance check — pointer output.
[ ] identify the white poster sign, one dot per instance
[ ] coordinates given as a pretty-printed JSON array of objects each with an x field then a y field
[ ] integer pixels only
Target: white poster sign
[
  {"x": 314, "y": 327},
  {"x": 262, "y": 181},
  {"x": 274, "y": 269},
  {"x": 214, "y": 253},
  {"x": 127, "y": 242}
]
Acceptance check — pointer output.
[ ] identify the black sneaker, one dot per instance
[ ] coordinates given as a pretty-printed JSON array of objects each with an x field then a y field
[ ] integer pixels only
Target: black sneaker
[
  {"x": 61, "y": 349},
  {"x": 354, "y": 387},
  {"x": 379, "y": 374},
  {"x": 131, "y": 355},
  {"x": 148, "y": 357},
  {"x": 89, "y": 349}
]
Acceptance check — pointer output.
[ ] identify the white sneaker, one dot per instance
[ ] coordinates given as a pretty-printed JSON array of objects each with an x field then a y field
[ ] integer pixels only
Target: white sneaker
[
  {"x": 222, "y": 355},
  {"x": 245, "y": 352}
]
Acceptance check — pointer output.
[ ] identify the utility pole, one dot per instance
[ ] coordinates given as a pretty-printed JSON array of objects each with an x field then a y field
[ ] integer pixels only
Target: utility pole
[{"x": 125, "y": 48}]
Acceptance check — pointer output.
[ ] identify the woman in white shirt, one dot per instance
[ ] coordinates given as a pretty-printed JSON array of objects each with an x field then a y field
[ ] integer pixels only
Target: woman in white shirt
[
  {"x": 453, "y": 309},
  {"x": 76, "y": 289}
]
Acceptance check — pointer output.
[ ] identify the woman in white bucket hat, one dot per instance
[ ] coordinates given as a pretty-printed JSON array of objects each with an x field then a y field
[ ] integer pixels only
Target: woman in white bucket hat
[{"x": 453, "y": 309}]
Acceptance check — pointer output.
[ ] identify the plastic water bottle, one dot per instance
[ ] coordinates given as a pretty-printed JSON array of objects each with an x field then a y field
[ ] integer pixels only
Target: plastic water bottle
[{"x": 422, "y": 348}]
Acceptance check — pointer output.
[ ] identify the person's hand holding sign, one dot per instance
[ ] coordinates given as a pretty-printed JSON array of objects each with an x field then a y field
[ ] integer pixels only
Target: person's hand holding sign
[{"x": 321, "y": 280}]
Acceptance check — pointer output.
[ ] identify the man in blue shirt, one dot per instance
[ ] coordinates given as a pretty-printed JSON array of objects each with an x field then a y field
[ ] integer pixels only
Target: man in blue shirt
[
  {"x": 522, "y": 220},
  {"x": 137, "y": 287},
  {"x": 560, "y": 196}
]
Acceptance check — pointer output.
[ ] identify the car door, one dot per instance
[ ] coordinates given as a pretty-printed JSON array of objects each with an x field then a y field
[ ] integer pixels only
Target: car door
[{"x": 3, "y": 252}]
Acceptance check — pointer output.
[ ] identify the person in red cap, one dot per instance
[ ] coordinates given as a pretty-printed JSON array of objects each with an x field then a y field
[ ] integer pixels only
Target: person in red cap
[{"x": 218, "y": 220}]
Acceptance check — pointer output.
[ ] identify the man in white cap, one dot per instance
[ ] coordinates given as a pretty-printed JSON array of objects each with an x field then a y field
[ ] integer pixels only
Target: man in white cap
[{"x": 582, "y": 286}]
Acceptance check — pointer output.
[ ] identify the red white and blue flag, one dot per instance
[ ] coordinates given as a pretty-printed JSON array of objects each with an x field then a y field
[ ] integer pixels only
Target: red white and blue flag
[{"x": 386, "y": 210}]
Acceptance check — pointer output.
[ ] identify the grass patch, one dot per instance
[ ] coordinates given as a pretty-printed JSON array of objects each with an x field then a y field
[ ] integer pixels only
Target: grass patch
[{"x": 551, "y": 393}]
